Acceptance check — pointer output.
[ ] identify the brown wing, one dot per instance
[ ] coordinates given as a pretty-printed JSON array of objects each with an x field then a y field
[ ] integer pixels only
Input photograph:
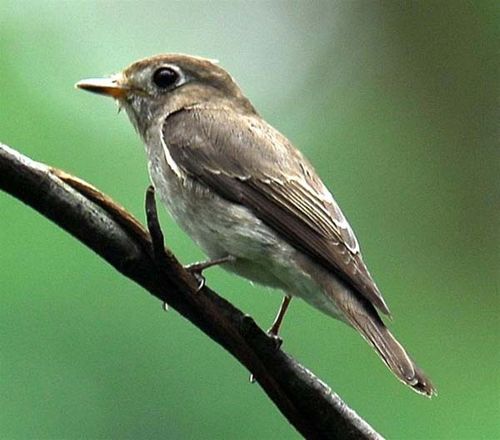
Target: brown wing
[{"x": 246, "y": 161}]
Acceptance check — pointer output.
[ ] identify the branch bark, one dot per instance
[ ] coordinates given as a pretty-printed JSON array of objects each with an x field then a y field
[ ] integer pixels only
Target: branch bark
[{"x": 115, "y": 235}]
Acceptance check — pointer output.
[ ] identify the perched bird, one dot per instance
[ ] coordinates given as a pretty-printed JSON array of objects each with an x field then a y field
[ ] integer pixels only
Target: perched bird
[{"x": 248, "y": 197}]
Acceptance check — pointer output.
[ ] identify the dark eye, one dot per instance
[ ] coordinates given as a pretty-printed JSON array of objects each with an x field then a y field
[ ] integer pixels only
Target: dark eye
[{"x": 165, "y": 77}]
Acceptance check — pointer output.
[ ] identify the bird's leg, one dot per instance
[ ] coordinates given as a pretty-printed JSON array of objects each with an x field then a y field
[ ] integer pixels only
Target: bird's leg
[
  {"x": 200, "y": 267},
  {"x": 274, "y": 330},
  {"x": 197, "y": 268}
]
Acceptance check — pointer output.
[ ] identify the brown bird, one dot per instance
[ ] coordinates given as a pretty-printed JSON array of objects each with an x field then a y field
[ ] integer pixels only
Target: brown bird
[{"x": 248, "y": 197}]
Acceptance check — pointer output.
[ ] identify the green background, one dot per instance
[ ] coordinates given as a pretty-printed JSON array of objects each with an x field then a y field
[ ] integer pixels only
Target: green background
[{"x": 394, "y": 103}]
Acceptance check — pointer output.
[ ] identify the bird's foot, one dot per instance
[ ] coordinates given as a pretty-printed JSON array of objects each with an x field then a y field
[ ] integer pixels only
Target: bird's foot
[
  {"x": 277, "y": 339},
  {"x": 197, "y": 268},
  {"x": 273, "y": 331},
  {"x": 278, "y": 342}
]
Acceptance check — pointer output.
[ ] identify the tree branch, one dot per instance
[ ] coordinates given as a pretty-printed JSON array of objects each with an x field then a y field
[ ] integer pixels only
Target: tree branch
[{"x": 110, "y": 231}]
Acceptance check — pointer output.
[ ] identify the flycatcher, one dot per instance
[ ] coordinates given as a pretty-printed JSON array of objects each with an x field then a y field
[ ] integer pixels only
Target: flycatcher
[{"x": 248, "y": 197}]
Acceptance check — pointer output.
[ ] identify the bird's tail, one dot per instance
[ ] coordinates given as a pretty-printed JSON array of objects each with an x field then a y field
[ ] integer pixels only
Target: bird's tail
[{"x": 365, "y": 319}]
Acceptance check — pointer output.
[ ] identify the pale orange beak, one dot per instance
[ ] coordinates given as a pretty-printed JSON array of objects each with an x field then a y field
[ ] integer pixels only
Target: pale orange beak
[{"x": 104, "y": 86}]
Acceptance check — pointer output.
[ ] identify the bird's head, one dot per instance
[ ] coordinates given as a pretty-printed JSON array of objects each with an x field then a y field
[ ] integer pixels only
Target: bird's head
[{"x": 154, "y": 87}]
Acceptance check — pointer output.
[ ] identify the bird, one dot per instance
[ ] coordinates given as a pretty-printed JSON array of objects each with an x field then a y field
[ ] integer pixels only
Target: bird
[{"x": 249, "y": 198}]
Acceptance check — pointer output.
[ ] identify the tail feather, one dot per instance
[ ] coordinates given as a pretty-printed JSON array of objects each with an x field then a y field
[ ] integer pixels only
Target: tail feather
[{"x": 389, "y": 349}]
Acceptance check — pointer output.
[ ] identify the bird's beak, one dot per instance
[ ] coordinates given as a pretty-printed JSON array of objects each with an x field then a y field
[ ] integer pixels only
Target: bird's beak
[{"x": 104, "y": 86}]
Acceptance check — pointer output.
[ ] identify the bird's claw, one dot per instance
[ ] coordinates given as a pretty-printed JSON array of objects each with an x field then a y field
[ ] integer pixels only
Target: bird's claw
[
  {"x": 277, "y": 340},
  {"x": 197, "y": 268},
  {"x": 199, "y": 277}
]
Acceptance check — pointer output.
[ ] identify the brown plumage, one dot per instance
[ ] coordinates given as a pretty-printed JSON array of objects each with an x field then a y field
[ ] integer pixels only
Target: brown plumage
[{"x": 240, "y": 188}]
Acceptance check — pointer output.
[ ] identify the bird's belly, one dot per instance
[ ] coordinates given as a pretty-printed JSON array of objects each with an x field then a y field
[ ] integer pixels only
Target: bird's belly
[{"x": 220, "y": 227}]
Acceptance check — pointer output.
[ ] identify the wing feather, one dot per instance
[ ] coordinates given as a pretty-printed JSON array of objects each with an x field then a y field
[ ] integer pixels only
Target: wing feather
[{"x": 246, "y": 161}]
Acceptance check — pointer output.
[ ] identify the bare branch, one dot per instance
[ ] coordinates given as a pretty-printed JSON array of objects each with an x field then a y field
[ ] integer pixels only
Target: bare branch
[{"x": 116, "y": 236}]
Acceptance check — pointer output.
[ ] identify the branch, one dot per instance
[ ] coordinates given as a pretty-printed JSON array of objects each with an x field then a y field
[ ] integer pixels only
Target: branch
[{"x": 111, "y": 232}]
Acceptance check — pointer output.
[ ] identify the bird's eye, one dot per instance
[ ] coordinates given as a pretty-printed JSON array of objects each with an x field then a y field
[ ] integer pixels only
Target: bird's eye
[{"x": 165, "y": 77}]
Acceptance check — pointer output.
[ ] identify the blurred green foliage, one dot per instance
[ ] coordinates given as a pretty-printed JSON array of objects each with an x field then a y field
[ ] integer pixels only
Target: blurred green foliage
[{"x": 394, "y": 102}]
